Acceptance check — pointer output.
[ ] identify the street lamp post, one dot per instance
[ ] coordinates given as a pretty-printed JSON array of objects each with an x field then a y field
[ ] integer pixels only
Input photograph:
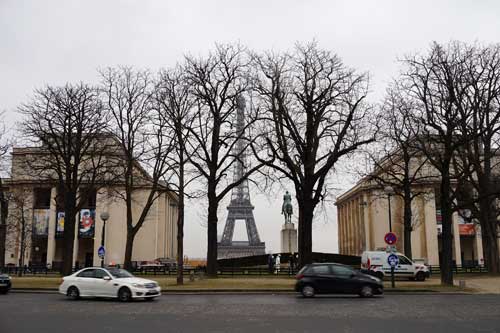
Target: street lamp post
[
  {"x": 104, "y": 218},
  {"x": 389, "y": 190}
]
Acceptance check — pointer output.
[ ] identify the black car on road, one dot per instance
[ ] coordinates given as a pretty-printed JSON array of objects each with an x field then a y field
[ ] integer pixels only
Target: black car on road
[
  {"x": 331, "y": 278},
  {"x": 5, "y": 283}
]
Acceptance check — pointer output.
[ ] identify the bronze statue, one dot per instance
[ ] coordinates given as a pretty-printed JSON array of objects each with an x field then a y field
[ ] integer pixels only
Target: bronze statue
[{"x": 287, "y": 208}]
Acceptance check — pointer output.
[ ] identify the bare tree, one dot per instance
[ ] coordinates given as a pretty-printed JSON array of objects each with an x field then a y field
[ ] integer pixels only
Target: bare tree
[
  {"x": 315, "y": 114},
  {"x": 435, "y": 83},
  {"x": 143, "y": 161},
  {"x": 174, "y": 107},
  {"x": 217, "y": 82},
  {"x": 20, "y": 225},
  {"x": 397, "y": 163},
  {"x": 70, "y": 123},
  {"x": 481, "y": 150}
]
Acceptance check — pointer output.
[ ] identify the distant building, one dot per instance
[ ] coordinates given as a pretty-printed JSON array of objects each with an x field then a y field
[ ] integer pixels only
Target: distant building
[
  {"x": 363, "y": 220},
  {"x": 45, "y": 222}
]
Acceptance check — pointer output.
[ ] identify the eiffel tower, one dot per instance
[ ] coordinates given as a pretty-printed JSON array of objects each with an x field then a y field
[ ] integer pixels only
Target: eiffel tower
[{"x": 240, "y": 208}]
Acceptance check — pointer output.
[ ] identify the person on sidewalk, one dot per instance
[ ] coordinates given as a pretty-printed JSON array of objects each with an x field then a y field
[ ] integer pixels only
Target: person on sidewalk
[{"x": 270, "y": 263}]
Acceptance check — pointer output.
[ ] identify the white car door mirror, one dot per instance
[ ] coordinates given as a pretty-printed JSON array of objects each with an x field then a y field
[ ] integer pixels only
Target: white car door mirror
[{"x": 107, "y": 278}]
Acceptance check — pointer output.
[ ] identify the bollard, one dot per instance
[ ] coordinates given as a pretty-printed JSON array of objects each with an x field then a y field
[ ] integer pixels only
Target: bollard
[{"x": 461, "y": 284}]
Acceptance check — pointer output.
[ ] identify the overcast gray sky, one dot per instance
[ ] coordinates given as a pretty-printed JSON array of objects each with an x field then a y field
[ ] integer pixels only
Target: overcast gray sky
[{"x": 54, "y": 42}]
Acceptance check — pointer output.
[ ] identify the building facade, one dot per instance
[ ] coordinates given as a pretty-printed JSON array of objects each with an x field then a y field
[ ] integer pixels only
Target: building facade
[
  {"x": 363, "y": 220},
  {"x": 41, "y": 238}
]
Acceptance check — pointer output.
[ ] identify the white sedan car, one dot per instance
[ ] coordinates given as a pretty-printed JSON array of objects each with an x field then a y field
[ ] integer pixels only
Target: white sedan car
[{"x": 108, "y": 282}]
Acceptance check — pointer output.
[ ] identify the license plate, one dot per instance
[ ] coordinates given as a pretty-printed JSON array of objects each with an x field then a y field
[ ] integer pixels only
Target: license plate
[{"x": 4, "y": 284}]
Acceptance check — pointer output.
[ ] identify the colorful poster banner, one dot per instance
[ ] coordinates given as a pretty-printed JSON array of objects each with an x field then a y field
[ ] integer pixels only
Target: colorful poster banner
[
  {"x": 41, "y": 222},
  {"x": 60, "y": 224},
  {"x": 87, "y": 223}
]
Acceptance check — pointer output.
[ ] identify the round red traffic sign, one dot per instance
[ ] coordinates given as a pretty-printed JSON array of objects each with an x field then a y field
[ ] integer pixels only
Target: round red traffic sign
[{"x": 390, "y": 238}]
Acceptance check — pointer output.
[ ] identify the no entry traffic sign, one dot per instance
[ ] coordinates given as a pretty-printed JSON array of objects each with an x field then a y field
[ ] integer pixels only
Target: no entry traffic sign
[{"x": 390, "y": 238}]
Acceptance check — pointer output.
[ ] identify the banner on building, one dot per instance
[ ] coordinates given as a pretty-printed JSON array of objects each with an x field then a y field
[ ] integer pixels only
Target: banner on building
[
  {"x": 60, "y": 224},
  {"x": 467, "y": 229},
  {"x": 87, "y": 223},
  {"x": 439, "y": 218},
  {"x": 41, "y": 222}
]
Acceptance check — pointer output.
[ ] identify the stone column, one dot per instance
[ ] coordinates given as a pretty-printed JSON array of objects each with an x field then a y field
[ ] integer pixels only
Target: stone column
[
  {"x": 344, "y": 229},
  {"x": 288, "y": 238},
  {"x": 359, "y": 234},
  {"x": 456, "y": 240},
  {"x": 102, "y": 205},
  {"x": 366, "y": 223},
  {"x": 51, "y": 241},
  {"x": 351, "y": 229},
  {"x": 478, "y": 245},
  {"x": 431, "y": 233},
  {"x": 339, "y": 229}
]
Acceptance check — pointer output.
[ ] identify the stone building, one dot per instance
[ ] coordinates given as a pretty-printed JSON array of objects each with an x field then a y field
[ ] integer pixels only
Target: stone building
[
  {"x": 363, "y": 220},
  {"x": 45, "y": 221}
]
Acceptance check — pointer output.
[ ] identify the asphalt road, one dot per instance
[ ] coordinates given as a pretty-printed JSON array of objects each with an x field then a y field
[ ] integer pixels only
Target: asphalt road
[{"x": 20, "y": 312}]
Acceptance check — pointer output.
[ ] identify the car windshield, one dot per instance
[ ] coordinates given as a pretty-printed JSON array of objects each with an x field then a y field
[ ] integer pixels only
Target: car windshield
[{"x": 119, "y": 273}]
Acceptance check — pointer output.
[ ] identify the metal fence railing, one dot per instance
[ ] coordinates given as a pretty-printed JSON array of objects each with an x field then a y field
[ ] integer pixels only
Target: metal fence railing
[
  {"x": 221, "y": 271},
  {"x": 460, "y": 269}
]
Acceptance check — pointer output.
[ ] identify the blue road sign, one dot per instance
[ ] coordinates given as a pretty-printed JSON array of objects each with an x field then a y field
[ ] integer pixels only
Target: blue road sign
[
  {"x": 392, "y": 260},
  {"x": 101, "y": 252}
]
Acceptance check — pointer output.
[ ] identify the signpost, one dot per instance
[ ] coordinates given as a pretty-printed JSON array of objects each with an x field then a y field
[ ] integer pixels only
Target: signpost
[{"x": 391, "y": 239}]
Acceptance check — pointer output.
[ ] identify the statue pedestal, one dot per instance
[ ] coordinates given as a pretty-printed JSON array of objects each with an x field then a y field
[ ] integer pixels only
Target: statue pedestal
[{"x": 288, "y": 238}]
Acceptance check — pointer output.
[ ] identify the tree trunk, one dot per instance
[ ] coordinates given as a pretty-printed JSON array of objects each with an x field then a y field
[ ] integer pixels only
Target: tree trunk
[
  {"x": 489, "y": 231},
  {"x": 69, "y": 232},
  {"x": 180, "y": 223},
  {"x": 306, "y": 213},
  {"x": 446, "y": 217},
  {"x": 129, "y": 246},
  {"x": 492, "y": 258},
  {"x": 407, "y": 224},
  {"x": 212, "y": 236}
]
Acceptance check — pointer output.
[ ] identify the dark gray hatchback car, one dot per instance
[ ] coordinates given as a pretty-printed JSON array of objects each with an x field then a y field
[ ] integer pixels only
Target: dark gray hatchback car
[
  {"x": 331, "y": 278},
  {"x": 5, "y": 283}
]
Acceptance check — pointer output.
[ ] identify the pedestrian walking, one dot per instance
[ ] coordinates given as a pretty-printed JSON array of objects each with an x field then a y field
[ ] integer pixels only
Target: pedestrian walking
[{"x": 270, "y": 263}]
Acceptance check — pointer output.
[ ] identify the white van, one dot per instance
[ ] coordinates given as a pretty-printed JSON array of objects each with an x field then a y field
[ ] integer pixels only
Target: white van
[{"x": 375, "y": 263}]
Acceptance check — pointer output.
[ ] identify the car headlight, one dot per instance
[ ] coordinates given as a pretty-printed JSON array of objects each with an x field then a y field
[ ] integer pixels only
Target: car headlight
[{"x": 138, "y": 285}]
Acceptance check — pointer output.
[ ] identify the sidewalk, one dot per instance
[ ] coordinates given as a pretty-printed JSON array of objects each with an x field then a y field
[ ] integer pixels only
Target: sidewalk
[{"x": 484, "y": 284}]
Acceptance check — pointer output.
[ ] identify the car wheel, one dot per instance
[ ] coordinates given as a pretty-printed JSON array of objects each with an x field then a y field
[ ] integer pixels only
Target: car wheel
[
  {"x": 308, "y": 291},
  {"x": 380, "y": 275},
  {"x": 366, "y": 291},
  {"x": 420, "y": 276},
  {"x": 124, "y": 294},
  {"x": 73, "y": 293}
]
